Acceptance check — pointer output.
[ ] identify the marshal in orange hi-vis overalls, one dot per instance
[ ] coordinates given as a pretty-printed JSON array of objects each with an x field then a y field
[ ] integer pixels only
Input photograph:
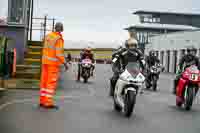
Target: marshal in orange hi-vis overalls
[{"x": 52, "y": 58}]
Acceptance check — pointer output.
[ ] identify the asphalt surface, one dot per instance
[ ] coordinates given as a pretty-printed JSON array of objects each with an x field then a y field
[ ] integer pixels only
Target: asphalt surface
[{"x": 86, "y": 108}]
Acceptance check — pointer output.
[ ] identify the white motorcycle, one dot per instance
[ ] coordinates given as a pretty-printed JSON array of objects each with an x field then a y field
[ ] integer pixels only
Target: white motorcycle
[{"x": 127, "y": 88}]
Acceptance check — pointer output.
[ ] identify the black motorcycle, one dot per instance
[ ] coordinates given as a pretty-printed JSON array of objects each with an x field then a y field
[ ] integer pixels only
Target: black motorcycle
[
  {"x": 153, "y": 76},
  {"x": 86, "y": 66}
]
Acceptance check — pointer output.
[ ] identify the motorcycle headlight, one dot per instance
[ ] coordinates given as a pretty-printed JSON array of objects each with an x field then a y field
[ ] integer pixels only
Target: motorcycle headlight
[
  {"x": 194, "y": 77},
  {"x": 85, "y": 65}
]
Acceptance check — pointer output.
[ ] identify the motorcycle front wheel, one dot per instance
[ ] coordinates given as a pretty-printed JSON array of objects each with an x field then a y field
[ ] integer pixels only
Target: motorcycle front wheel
[
  {"x": 189, "y": 96},
  {"x": 154, "y": 85},
  {"x": 85, "y": 80},
  {"x": 85, "y": 75},
  {"x": 130, "y": 100},
  {"x": 178, "y": 101}
]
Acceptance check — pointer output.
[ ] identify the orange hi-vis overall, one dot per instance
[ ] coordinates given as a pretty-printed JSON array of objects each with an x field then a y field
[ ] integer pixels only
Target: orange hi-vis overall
[{"x": 52, "y": 58}]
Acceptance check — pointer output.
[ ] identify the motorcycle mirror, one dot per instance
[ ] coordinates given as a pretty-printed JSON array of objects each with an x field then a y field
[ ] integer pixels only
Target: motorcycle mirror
[{"x": 114, "y": 60}]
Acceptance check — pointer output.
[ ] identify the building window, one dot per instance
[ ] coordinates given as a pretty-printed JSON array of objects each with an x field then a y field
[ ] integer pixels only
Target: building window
[
  {"x": 146, "y": 18},
  {"x": 142, "y": 19},
  {"x": 158, "y": 20},
  {"x": 154, "y": 20}
]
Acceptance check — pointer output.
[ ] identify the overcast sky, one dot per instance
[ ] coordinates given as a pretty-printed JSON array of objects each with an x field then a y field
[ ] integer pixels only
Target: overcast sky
[{"x": 102, "y": 20}]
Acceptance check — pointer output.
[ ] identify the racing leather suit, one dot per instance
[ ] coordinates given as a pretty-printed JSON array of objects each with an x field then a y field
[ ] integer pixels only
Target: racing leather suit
[
  {"x": 188, "y": 60},
  {"x": 124, "y": 56},
  {"x": 151, "y": 60}
]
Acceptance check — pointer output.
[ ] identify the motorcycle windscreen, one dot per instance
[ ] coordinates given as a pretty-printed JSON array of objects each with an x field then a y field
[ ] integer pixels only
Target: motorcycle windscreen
[
  {"x": 133, "y": 68},
  {"x": 193, "y": 69},
  {"x": 86, "y": 61}
]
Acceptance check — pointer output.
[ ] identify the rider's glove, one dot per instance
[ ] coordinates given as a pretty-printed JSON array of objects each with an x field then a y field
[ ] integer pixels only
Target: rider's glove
[{"x": 121, "y": 71}]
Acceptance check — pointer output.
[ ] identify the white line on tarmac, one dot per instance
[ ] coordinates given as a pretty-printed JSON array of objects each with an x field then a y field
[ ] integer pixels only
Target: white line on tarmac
[{"x": 65, "y": 97}]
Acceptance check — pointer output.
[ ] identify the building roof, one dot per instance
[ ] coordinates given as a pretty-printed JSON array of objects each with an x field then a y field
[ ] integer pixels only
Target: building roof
[
  {"x": 166, "y": 13},
  {"x": 162, "y": 26}
]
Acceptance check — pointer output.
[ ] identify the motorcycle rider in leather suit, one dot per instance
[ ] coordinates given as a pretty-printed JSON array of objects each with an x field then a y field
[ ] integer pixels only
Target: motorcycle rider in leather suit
[
  {"x": 188, "y": 59},
  {"x": 128, "y": 54},
  {"x": 151, "y": 60}
]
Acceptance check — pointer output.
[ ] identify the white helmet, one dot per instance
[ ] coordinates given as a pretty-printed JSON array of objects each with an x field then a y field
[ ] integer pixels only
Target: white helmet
[{"x": 131, "y": 41}]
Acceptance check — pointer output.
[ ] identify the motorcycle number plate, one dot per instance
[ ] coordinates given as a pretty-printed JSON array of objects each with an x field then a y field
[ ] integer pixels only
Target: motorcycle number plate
[{"x": 114, "y": 60}]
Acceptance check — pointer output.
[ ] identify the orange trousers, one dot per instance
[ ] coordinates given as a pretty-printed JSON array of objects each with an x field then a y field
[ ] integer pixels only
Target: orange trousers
[{"x": 48, "y": 83}]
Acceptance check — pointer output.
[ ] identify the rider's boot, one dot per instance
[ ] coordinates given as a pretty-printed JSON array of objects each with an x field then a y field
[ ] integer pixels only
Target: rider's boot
[
  {"x": 148, "y": 85},
  {"x": 78, "y": 76},
  {"x": 92, "y": 73},
  {"x": 112, "y": 86}
]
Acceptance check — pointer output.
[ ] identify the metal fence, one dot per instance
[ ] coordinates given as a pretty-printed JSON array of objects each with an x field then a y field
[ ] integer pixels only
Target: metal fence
[{"x": 41, "y": 25}]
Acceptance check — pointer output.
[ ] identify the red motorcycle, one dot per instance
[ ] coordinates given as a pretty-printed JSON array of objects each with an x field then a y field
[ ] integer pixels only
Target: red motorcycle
[{"x": 188, "y": 87}]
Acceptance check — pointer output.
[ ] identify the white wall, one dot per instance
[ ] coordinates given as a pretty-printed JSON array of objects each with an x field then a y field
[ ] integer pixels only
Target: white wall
[{"x": 174, "y": 41}]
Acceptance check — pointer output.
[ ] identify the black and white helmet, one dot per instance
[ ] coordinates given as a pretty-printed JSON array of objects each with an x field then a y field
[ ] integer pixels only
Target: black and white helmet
[
  {"x": 152, "y": 53},
  {"x": 191, "y": 50}
]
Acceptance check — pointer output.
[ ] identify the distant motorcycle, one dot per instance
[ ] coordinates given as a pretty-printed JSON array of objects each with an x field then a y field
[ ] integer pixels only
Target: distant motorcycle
[
  {"x": 127, "y": 87},
  {"x": 188, "y": 87},
  {"x": 86, "y": 66},
  {"x": 153, "y": 76}
]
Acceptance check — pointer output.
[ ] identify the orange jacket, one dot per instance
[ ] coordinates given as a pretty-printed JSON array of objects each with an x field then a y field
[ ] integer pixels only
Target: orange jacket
[{"x": 53, "y": 50}]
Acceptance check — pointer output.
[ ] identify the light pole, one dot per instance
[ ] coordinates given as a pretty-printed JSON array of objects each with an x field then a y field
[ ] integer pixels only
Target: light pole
[{"x": 31, "y": 23}]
